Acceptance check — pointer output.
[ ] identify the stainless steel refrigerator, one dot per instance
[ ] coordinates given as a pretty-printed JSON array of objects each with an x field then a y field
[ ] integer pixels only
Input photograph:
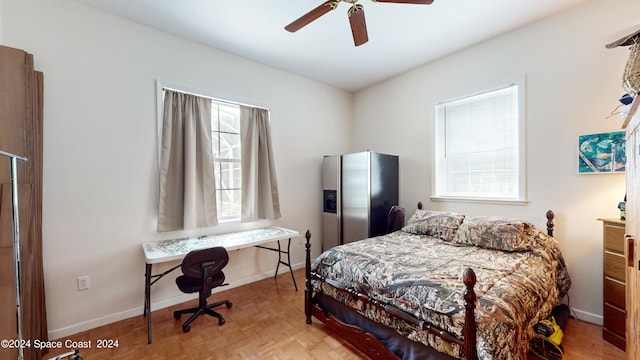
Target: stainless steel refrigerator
[{"x": 359, "y": 189}]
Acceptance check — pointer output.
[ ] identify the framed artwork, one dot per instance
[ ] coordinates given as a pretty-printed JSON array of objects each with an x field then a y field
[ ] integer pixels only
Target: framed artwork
[{"x": 602, "y": 153}]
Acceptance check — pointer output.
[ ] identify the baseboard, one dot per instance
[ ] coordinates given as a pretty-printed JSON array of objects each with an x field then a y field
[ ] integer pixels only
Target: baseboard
[
  {"x": 137, "y": 311},
  {"x": 587, "y": 316}
]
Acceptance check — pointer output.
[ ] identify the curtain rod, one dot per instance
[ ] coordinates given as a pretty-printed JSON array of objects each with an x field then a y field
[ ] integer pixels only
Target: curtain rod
[{"x": 212, "y": 98}]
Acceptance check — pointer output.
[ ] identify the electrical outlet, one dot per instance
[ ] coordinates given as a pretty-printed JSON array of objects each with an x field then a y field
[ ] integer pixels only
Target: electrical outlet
[{"x": 83, "y": 283}]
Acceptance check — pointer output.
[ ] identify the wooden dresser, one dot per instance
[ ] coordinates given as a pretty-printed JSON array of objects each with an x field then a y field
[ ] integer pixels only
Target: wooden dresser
[{"x": 614, "y": 282}]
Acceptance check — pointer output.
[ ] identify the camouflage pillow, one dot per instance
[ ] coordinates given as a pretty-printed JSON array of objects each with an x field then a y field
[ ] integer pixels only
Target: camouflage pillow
[
  {"x": 418, "y": 215},
  {"x": 492, "y": 232},
  {"x": 440, "y": 224}
]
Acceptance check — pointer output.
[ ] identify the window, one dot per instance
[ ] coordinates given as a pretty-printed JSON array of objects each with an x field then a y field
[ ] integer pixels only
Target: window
[
  {"x": 479, "y": 147},
  {"x": 258, "y": 200},
  {"x": 225, "y": 139},
  {"x": 225, "y": 142}
]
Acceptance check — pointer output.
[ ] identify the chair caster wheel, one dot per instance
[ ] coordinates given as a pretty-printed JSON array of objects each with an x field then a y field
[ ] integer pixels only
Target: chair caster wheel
[
  {"x": 177, "y": 315},
  {"x": 221, "y": 321},
  {"x": 186, "y": 328},
  {"x": 229, "y": 305}
]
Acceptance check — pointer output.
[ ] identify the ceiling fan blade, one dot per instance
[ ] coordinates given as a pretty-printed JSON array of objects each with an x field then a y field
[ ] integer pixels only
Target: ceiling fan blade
[
  {"x": 312, "y": 15},
  {"x": 425, "y": 2},
  {"x": 358, "y": 25}
]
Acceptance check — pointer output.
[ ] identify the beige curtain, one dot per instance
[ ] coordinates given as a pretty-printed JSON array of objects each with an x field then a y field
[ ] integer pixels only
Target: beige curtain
[
  {"x": 259, "y": 185},
  {"x": 187, "y": 181}
]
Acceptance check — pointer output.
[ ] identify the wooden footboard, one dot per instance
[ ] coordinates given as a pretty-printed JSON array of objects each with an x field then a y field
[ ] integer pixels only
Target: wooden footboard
[{"x": 368, "y": 343}]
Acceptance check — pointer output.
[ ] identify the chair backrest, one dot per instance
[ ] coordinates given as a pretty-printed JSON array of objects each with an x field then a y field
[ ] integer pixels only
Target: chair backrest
[
  {"x": 192, "y": 262},
  {"x": 395, "y": 219}
]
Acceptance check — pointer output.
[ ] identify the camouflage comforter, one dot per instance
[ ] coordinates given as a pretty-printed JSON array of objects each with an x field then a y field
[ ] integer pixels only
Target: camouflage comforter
[{"x": 422, "y": 275}]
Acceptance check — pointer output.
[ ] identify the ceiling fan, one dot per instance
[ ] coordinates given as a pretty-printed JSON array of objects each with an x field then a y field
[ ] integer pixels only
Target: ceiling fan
[{"x": 356, "y": 17}]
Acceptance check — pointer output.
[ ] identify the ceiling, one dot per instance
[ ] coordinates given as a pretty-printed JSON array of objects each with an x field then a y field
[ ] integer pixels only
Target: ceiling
[{"x": 401, "y": 36}]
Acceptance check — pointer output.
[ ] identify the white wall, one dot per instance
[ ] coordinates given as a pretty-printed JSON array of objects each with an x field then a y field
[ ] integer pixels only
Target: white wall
[
  {"x": 100, "y": 150},
  {"x": 573, "y": 83}
]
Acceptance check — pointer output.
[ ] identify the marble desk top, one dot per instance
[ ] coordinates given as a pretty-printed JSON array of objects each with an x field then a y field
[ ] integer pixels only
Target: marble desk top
[{"x": 176, "y": 249}]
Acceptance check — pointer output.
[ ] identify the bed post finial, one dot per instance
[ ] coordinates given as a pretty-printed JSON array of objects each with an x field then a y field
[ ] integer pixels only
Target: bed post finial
[
  {"x": 550, "y": 224},
  {"x": 307, "y": 290},
  {"x": 470, "y": 351},
  {"x": 420, "y": 205}
]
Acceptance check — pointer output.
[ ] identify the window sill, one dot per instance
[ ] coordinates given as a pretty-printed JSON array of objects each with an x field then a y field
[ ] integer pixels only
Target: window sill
[
  {"x": 229, "y": 220},
  {"x": 479, "y": 200}
]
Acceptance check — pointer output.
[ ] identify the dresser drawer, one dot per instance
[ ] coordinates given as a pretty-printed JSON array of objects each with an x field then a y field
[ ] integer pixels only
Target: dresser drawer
[
  {"x": 614, "y": 319},
  {"x": 614, "y": 282},
  {"x": 615, "y": 339},
  {"x": 614, "y": 238},
  {"x": 614, "y": 292},
  {"x": 614, "y": 266}
]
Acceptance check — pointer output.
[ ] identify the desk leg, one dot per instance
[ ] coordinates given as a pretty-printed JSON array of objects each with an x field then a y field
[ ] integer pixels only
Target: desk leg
[
  {"x": 288, "y": 263},
  {"x": 147, "y": 299},
  {"x": 279, "y": 259},
  {"x": 147, "y": 293}
]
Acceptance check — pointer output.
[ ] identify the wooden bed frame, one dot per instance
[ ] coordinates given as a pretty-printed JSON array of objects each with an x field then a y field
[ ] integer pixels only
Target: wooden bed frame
[{"x": 368, "y": 343}]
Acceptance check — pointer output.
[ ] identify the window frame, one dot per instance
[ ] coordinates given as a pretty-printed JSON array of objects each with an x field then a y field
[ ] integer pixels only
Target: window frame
[{"x": 521, "y": 196}]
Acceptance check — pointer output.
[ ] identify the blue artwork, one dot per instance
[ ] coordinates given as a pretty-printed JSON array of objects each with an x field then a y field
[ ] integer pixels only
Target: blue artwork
[{"x": 602, "y": 153}]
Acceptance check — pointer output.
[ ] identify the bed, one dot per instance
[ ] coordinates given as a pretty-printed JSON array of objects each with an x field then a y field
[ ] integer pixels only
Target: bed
[{"x": 446, "y": 286}]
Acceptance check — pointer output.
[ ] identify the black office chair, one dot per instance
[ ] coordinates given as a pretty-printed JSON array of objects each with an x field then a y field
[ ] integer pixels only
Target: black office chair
[{"x": 202, "y": 271}]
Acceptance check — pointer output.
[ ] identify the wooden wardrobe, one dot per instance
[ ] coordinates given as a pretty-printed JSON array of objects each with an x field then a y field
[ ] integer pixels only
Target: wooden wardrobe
[{"x": 21, "y": 90}]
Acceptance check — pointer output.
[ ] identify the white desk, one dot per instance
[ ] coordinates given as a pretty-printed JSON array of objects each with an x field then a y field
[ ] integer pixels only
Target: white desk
[{"x": 156, "y": 252}]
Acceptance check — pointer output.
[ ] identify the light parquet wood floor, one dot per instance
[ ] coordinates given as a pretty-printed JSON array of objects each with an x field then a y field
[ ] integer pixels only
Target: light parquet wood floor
[{"x": 266, "y": 321}]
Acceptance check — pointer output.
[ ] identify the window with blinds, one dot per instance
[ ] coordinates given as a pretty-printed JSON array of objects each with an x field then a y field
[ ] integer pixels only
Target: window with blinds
[{"x": 479, "y": 146}]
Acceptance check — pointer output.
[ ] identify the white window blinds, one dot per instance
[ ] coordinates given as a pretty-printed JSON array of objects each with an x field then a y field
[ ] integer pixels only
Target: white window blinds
[{"x": 479, "y": 146}]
